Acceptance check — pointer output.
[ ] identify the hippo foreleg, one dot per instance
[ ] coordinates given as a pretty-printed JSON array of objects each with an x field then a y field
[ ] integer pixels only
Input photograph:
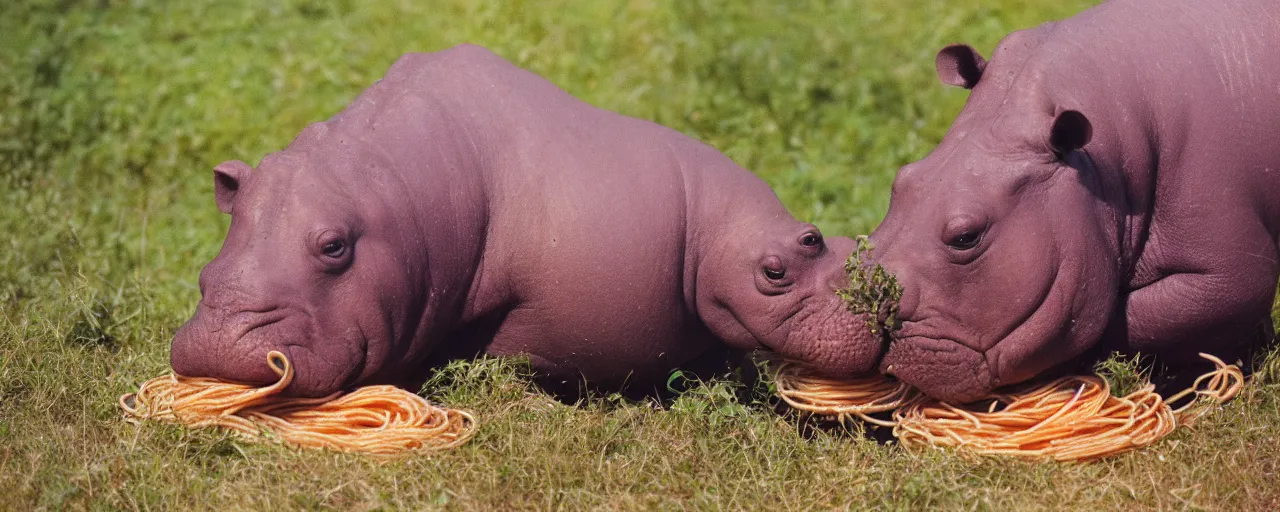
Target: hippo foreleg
[{"x": 1217, "y": 311}]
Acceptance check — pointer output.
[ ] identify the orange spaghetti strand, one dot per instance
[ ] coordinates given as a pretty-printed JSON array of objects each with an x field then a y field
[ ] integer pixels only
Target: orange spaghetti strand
[
  {"x": 861, "y": 396},
  {"x": 377, "y": 420},
  {"x": 1071, "y": 418},
  {"x": 1225, "y": 382}
]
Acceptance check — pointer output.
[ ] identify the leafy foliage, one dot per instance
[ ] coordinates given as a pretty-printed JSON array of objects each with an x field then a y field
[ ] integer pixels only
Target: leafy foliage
[{"x": 872, "y": 290}]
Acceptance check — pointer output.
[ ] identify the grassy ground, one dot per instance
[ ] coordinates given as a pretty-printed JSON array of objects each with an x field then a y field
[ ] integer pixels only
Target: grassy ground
[{"x": 111, "y": 117}]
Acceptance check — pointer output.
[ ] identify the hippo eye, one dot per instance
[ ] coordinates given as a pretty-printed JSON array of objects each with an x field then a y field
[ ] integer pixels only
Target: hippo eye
[
  {"x": 965, "y": 241},
  {"x": 774, "y": 274},
  {"x": 811, "y": 239},
  {"x": 964, "y": 231},
  {"x": 334, "y": 249}
]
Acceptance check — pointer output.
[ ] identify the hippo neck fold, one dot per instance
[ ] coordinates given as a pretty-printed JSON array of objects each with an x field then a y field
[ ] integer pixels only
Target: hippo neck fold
[
  {"x": 745, "y": 210},
  {"x": 1120, "y": 170},
  {"x": 1141, "y": 133},
  {"x": 1117, "y": 166},
  {"x": 723, "y": 264}
]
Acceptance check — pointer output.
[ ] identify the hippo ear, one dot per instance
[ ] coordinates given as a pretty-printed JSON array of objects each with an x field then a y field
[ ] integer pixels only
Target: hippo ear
[
  {"x": 226, "y": 182},
  {"x": 960, "y": 65},
  {"x": 1071, "y": 131}
]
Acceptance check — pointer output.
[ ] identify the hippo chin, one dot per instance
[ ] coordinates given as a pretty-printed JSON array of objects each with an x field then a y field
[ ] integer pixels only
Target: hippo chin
[
  {"x": 464, "y": 204},
  {"x": 1114, "y": 178}
]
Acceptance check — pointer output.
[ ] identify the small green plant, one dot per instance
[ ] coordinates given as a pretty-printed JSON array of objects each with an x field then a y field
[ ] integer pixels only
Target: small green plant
[
  {"x": 1125, "y": 374},
  {"x": 872, "y": 290},
  {"x": 484, "y": 380}
]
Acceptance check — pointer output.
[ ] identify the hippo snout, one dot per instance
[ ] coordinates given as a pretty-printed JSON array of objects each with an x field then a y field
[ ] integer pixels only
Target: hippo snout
[
  {"x": 835, "y": 342},
  {"x": 233, "y": 346},
  {"x": 945, "y": 369},
  {"x": 831, "y": 339},
  {"x": 206, "y": 347}
]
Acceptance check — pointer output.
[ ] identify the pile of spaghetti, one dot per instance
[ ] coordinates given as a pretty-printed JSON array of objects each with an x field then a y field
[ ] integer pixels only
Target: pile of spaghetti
[
  {"x": 1071, "y": 418},
  {"x": 377, "y": 420}
]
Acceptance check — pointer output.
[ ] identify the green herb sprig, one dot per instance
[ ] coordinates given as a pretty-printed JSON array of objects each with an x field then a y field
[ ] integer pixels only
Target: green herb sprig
[{"x": 872, "y": 290}]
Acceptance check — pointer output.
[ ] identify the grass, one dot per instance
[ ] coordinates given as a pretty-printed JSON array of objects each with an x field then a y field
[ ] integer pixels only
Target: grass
[{"x": 113, "y": 113}]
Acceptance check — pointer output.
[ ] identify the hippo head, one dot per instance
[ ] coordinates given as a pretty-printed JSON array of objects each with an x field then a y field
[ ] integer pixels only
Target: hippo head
[
  {"x": 772, "y": 287},
  {"x": 304, "y": 270},
  {"x": 1001, "y": 240}
]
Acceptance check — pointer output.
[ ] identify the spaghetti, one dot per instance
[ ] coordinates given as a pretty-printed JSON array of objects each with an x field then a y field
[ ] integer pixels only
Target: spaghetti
[
  {"x": 860, "y": 396},
  {"x": 1071, "y": 418},
  {"x": 377, "y": 420}
]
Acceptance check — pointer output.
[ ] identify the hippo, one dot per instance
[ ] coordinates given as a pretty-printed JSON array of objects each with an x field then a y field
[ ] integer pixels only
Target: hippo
[
  {"x": 1112, "y": 183},
  {"x": 462, "y": 204}
]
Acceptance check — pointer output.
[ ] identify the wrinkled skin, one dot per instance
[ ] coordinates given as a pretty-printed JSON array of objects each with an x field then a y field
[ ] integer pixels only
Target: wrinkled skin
[
  {"x": 1112, "y": 182},
  {"x": 463, "y": 205}
]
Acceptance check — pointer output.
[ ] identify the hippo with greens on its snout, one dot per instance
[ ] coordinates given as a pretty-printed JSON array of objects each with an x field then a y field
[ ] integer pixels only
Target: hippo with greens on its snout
[
  {"x": 1113, "y": 181},
  {"x": 464, "y": 204}
]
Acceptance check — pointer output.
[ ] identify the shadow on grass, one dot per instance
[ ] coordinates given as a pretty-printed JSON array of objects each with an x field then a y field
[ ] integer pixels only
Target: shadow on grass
[{"x": 719, "y": 388}]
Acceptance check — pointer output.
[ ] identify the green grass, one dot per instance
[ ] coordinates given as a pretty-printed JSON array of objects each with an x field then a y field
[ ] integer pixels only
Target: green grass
[{"x": 113, "y": 113}]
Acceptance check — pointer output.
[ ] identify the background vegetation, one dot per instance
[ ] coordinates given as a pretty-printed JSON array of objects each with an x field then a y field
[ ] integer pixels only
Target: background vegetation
[{"x": 113, "y": 113}]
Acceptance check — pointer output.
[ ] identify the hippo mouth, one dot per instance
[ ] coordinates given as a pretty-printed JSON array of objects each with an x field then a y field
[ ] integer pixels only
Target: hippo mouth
[
  {"x": 944, "y": 368},
  {"x": 921, "y": 343},
  {"x": 322, "y": 366},
  {"x": 233, "y": 347},
  {"x": 915, "y": 332},
  {"x": 323, "y": 376},
  {"x": 951, "y": 362},
  {"x": 831, "y": 341},
  {"x": 251, "y": 321}
]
